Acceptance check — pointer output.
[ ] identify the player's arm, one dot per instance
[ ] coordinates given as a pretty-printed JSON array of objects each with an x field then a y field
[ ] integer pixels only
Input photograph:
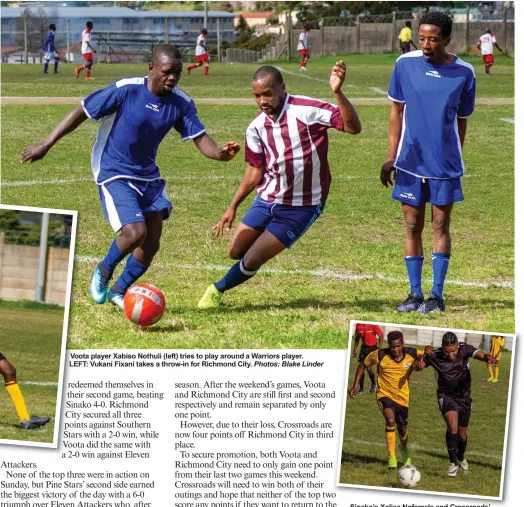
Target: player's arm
[
  {"x": 420, "y": 362},
  {"x": 484, "y": 357},
  {"x": 349, "y": 115},
  {"x": 356, "y": 340},
  {"x": 39, "y": 150},
  {"x": 358, "y": 375},
  {"x": 251, "y": 179},
  {"x": 210, "y": 149},
  {"x": 498, "y": 47},
  {"x": 462, "y": 125},
  {"x": 412, "y": 43},
  {"x": 396, "y": 114}
]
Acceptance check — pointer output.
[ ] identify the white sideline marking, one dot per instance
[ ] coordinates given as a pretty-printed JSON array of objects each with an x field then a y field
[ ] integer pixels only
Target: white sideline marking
[
  {"x": 31, "y": 383},
  {"x": 508, "y": 120},
  {"x": 320, "y": 273},
  {"x": 378, "y": 90},
  {"x": 311, "y": 78},
  {"x": 216, "y": 177},
  {"x": 425, "y": 449}
]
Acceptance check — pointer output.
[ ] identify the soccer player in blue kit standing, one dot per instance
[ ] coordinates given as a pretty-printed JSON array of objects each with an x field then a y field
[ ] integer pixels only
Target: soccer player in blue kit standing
[
  {"x": 50, "y": 50},
  {"x": 433, "y": 93},
  {"x": 136, "y": 114}
]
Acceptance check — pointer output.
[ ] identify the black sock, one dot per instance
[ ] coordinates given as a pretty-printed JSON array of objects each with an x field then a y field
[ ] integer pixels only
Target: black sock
[
  {"x": 462, "y": 444},
  {"x": 362, "y": 383},
  {"x": 372, "y": 377},
  {"x": 452, "y": 443}
]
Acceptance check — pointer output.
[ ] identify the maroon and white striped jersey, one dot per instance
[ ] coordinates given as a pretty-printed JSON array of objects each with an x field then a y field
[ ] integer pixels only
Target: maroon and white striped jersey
[{"x": 293, "y": 150}]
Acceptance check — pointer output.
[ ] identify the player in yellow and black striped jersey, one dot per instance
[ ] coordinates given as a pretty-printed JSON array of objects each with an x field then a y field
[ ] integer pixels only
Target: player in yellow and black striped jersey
[
  {"x": 497, "y": 344},
  {"x": 394, "y": 367},
  {"x": 27, "y": 422}
]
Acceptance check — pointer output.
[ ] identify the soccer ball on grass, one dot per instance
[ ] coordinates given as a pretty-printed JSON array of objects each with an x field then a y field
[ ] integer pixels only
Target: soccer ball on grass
[
  {"x": 409, "y": 476},
  {"x": 144, "y": 304}
]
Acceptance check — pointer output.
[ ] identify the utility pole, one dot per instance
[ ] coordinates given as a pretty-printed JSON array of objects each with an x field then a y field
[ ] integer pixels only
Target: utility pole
[
  {"x": 42, "y": 258},
  {"x": 205, "y": 15}
]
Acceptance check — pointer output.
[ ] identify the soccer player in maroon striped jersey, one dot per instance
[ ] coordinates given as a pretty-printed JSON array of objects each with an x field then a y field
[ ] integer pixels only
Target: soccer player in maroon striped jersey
[{"x": 286, "y": 152}]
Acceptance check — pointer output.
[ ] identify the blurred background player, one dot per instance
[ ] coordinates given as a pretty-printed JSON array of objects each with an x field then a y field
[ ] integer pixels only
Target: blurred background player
[
  {"x": 27, "y": 422},
  {"x": 485, "y": 45},
  {"x": 302, "y": 47},
  {"x": 49, "y": 49},
  {"x": 394, "y": 367},
  {"x": 497, "y": 344},
  {"x": 287, "y": 156},
  {"x": 136, "y": 114},
  {"x": 433, "y": 93},
  {"x": 405, "y": 39},
  {"x": 201, "y": 53},
  {"x": 87, "y": 51},
  {"x": 451, "y": 365},
  {"x": 367, "y": 334}
]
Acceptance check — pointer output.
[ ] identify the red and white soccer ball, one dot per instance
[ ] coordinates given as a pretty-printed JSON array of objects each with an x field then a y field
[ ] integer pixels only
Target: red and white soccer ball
[{"x": 144, "y": 304}]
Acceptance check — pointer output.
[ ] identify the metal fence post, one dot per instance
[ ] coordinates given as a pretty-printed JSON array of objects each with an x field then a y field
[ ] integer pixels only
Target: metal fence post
[
  {"x": 68, "y": 36},
  {"x": 219, "y": 45},
  {"x": 42, "y": 258},
  {"x": 26, "y": 12},
  {"x": 289, "y": 36},
  {"x": 322, "y": 49},
  {"x": 166, "y": 31},
  {"x": 467, "y": 31},
  {"x": 505, "y": 24},
  {"x": 394, "y": 31},
  {"x": 358, "y": 33}
]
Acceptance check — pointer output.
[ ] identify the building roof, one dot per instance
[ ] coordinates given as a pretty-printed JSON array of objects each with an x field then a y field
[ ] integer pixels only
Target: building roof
[
  {"x": 254, "y": 15},
  {"x": 88, "y": 13}
]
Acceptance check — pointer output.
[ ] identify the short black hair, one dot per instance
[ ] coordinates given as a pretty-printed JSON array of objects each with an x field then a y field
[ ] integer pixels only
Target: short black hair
[
  {"x": 395, "y": 335},
  {"x": 440, "y": 19},
  {"x": 52, "y": 27},
  {"x": 408, "y": 24},
  {"x": 204, "y": 31},
  {"x": 162, "y": 50},
  {"x": 488, "y": 30},
  {"x": 449, "y": 338},
  {"x": 268, "y": 70},
  {"x": 89, "y": 24},
  {"x": 307, "y": 26}
]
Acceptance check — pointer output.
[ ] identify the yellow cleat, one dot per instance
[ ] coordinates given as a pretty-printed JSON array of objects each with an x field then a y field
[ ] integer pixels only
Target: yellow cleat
[
  {"x": 211, "y": 298},
  {"x": 405, "y": 457},
  {"x": 495, "y": 380},
  {"x": 392, "y": 462},
  {"x": 77, "y": 73},
  {"x": 490, "y": 379}
]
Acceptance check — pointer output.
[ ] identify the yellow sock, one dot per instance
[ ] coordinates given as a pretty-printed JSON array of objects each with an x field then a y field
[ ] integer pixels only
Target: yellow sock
[
  {"x": 496, "y": 372},
  {"x": 490, "y": 370},
  {"x": 18, "y": 400},
  {"x": 390, "y": 439}
]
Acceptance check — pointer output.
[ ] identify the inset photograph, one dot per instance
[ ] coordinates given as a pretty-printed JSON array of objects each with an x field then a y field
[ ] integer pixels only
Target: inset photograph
[
  {"x": 36, "y": 265},
  {"x": 426, "y": 410}
]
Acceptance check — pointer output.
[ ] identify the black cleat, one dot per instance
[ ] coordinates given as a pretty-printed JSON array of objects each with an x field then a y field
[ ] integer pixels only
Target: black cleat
[
  {"x": 433, "y": 304},
  {"x": 34, "y": 422},
  {"x": 411, "y": 304}
]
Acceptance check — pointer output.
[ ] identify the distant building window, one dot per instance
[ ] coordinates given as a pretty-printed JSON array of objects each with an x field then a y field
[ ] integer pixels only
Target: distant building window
[
  {"x": 131, "y": 21},
  {"x": 158, "y": 21}
]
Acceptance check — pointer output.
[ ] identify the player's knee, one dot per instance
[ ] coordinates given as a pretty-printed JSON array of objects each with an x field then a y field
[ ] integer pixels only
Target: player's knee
[
  {"x": 413, "y": 228},
  {"x": 134, "y": 234},
  {"x": 440, "y": 226},
  {"x": 9, "y": 373},
  {"x": 235, "y": 252}
]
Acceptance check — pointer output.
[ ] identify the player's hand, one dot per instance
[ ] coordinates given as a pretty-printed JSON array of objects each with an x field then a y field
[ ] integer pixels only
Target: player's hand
[
  {"x": 228, "y": 151},
  {"x": 226, "y": 221},
  {"x": 94, "y": 51},
  {"x": 428, "y": 349},
  {"x": 385, "y": 173},
  {"x": 419, "y": 365},
  {"x": 354, "y": 354},
  {"x": 338, "y": 75},
  {"x": 491, "y": 359},
  {"x": 352, "y": 392},
  {"x": 34, "y": 152}
]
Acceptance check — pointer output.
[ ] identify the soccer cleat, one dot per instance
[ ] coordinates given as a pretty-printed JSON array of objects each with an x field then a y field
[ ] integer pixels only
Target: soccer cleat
[
  {"x": 495, "y": 380},
  {"x": 433, "y": 304},
  {"x": 411, "y": 304},
  {"x": 98, "y": 287},
  {"x": 452, "y": 470},
  {"x": 34, "y": 422},
  {"x": 490, "y": 379},
  {"x": 373, "y": 389},
  {"x": 211, "y": 298},
  {"x": 90, "y": 78},
  {"x": 392, "y": 462},
  {"x": 464, "y": 465},
  {"x": 77, "y": 73},
  {"x": 361, "y": 391},
  {"x": 405, "y": 457},
  {"x": 116, "y": 298}
]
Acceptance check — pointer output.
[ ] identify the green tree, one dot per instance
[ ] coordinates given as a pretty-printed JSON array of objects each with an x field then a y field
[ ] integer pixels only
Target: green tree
[{"x": 243, "y": 32}]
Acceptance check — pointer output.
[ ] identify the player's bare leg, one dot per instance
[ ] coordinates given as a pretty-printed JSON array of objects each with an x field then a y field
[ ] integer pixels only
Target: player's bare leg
[
  {"x": 413, "y": 255},
  {"x": 452, "y": 438},
  {"x": 242, "y": 240},
  {"x": 143, "y": 254},
  {"x": 193, "y": 66}
]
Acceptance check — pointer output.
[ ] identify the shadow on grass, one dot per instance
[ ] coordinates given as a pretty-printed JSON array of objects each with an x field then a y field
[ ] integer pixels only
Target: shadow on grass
[
  {"x": 472, "y": 462},
  {"x": 360, "y": 459}
]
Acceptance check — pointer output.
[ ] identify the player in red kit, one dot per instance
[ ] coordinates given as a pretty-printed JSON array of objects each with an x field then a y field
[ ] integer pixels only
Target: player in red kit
[
  {"x": 303, "y": 47},
  {"x": 201, "y": 53},
  {"x": 367, "y": 334}
]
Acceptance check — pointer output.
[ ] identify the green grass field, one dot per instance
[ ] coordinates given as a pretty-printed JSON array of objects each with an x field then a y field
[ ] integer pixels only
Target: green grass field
[
  {"x": 30, "y": 339},
  {"x": 348, "y": 266},
  {"x": 364, "y": 452}
]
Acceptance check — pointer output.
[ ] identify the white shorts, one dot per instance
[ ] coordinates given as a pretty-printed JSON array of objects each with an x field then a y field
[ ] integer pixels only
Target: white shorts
[{"x": 50, "y": 54}]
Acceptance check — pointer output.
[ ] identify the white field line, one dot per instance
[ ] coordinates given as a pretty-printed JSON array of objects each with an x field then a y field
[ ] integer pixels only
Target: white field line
[
  {"x": 214, "y": 177},
  {"x": 318, "y": 273},
  {"x": 413, "y": 445},
  {"x": 34, "y": 383},
  {"x": 378, "y": 90},
  {"x": 508, "y": 120}
]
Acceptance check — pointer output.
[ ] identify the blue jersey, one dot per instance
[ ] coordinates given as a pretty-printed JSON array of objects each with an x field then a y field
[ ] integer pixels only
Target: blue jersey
[
  {"x": 434, "y": 97},
  {"x": 49, "y": 44},
  {"x": 133, "y": 123}
]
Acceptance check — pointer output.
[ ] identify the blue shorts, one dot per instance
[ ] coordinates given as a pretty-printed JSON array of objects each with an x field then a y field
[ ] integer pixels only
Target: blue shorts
[
  {"x": 286, "y": 223},
  {"x": 416, "y": 191},
  {"x": 126, "y": 201}
]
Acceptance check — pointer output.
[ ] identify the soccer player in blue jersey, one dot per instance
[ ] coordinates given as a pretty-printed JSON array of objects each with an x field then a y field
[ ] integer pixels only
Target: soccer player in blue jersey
[
  {"x": 136, "y": 114},
  {"x": 433, "y": 93},
  {"x": 49, "y": 49}
]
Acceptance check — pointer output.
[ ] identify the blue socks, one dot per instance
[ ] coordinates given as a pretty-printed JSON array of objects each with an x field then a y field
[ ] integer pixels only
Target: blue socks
[
  {"x": 235, "y": 276},
  {"x": 440, "y": 268},
  {"x": 108, "y": 264},
  {"x": 414, "y": 266},
  {"x": 46, "y": 65},
  {"x": 132, "y": 272},
  {"x": 56, "y": 65}
]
